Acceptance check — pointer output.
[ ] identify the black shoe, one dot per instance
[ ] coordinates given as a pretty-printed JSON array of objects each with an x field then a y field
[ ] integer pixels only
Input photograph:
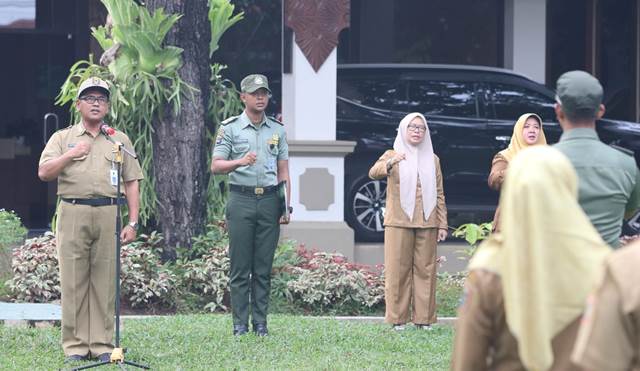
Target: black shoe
[
  {"x": 74, "y": 358},
  {"x": 240, "y": 330},
  {"x": 260, "y": 329},
  {"x": 104, "y": 357}
]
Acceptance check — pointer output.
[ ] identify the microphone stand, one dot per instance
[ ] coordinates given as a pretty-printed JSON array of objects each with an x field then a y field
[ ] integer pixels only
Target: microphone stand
[{"x": 117, "y": 355}]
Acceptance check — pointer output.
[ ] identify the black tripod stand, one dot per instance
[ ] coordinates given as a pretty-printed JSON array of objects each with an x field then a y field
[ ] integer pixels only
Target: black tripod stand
[{"x": 117, "y": 356}]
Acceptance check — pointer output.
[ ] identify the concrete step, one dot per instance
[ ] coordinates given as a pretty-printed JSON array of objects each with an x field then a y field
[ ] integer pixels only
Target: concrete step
[{"x": 453, "y": 252}]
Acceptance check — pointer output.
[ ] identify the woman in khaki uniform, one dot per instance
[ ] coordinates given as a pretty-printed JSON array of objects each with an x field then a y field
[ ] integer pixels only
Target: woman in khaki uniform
[
  {"x": 527, "y": 284},
  {"x": 526, "y": 132},
  {"x": 609, "y": 337},
  {"x": 415, "y": 220}
]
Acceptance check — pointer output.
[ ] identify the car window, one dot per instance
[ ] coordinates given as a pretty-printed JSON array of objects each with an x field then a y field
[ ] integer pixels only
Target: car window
[
  {"x": 511, "y": 101},
  {"x": 443, "y": 98},
  {"x": 381, "y": 94}
]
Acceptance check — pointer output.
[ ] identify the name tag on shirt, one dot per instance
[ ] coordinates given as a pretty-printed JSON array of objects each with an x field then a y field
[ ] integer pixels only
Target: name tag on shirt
[
  {"x": 113, "y": 176},
  {"x": 271, "y": 164}
]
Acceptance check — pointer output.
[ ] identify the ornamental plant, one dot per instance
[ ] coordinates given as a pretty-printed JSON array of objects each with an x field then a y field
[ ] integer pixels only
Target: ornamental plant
[
  {"x": 327, "y": 280},
  {"x": 36, "y": 278}
]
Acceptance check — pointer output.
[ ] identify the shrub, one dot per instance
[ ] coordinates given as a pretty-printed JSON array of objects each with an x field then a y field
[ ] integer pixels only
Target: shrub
[
  {"x": 35, "y": 271},
  {"x": 326, "y": 281},
  {"x": 145, "y": 280},
  {"x": 11, "y": 228},
  {"x": 11, "y": 233},
  {"x": 206, "y": 277}
]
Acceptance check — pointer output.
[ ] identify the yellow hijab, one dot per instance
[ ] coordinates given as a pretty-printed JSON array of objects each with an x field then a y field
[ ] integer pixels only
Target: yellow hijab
[
  {"x": 518, "y": 143},
  {"x": 547, "y": 254}
]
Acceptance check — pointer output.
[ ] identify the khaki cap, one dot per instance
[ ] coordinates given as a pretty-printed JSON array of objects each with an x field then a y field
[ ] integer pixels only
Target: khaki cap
[
  {"x": 254, "y": 82},
  {"x": 93, "y": 82},
  {"x": 579, "y": 93}
]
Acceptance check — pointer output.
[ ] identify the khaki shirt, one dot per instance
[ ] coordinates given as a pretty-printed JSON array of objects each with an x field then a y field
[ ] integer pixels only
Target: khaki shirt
[
  {"x": 238, "y": 136},
  {"x": 496, "y": 178},
  {"x": 394, "y": 216},
  {"x": 483, "y": 340},
  {"x": 609, "y": 337},
  {"x": 608, "y": 181},
  {"x": 89, "y": 176}
]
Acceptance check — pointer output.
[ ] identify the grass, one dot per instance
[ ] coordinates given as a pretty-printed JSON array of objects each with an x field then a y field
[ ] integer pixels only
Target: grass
[{"x": 204, "y": 342}]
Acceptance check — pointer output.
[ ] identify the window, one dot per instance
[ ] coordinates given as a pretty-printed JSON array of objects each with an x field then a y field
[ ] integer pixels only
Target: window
[
  {"x": 380, "y": 95},
  {"x": 511, "y": 101},
  {"x": 443, "y": 98},
  {"x": 17, "y": 14}
]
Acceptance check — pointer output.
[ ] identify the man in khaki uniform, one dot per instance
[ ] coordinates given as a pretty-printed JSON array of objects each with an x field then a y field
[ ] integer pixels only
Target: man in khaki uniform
[
  {"x": 82, "y": 159},
  {"x": 609, "y": 337}
]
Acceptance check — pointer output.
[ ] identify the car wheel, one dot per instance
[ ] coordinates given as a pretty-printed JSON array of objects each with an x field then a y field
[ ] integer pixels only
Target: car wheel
[{"x": 365, "y": 208}]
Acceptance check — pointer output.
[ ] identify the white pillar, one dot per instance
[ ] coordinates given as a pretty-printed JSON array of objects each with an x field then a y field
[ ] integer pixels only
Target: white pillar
[
  {"x": 525, "y": 29},
  {"x": 316, "y": 159}
]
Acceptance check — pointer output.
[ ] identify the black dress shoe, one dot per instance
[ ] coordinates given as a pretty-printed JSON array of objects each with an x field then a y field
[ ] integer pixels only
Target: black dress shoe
[
  {"x": 260, "y": 329},
  {"x": 104, "y": 357},
  {"x": 74, "y": 358},
  {"x": 240, "y": 330}
]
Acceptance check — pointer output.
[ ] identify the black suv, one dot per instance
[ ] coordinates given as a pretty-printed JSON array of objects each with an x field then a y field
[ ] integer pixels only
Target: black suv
[{"x": 470, "y": 111}]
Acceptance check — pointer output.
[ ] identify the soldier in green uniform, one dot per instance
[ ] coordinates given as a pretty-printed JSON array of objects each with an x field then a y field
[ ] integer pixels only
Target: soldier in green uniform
[
  {"x": 82, "y": 159},
  {"x": 253, "y": 150},
  {"x": 608, "y": 178}
]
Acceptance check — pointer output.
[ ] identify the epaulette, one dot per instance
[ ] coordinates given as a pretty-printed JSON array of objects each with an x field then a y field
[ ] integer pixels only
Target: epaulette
[
  {"x": 275, "y": 120},
  {"x": 67, "y": 128},
  {"x": 229, "y": 120},
  {"x": 626, "y": 151}
]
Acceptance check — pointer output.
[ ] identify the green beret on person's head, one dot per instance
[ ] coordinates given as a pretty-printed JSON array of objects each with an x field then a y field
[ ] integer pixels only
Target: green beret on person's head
[
  {"x": 254, "y": 82},
  {"x": 579, "y": 94}
]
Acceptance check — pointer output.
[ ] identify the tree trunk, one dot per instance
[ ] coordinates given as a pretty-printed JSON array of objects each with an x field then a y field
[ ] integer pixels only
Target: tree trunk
[{"x": 179, "y": 142}]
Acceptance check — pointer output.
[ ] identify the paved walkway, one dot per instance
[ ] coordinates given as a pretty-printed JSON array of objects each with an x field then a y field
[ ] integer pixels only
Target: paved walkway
[{"x": 456, "y": 260}]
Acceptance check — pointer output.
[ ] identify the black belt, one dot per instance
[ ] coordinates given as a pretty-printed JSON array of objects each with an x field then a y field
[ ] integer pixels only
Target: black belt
[
  {"x": 253, "y": 190},
  {"x": 102, "y": 201}
]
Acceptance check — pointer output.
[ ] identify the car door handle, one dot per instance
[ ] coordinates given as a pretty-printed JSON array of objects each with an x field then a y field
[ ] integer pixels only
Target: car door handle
[
  {"x": 503, "y": 138},
  {"x": 46, "y": 119}
]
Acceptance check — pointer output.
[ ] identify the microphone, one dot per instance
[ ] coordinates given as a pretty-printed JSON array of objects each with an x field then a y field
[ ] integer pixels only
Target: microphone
[{"x": 107, "y": 130}]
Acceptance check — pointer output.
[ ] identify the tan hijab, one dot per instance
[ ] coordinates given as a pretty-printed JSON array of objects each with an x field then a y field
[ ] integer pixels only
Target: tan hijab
[
  {"x": 517, "y": 139},
  {"x": 548, "y": 254},
  {"x": 419, "y": 161}
]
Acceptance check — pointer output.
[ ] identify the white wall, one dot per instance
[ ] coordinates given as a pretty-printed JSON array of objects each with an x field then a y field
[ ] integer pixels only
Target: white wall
[
  {"x": 525, "y": 37},
  {"x": 309, "y": 99}
]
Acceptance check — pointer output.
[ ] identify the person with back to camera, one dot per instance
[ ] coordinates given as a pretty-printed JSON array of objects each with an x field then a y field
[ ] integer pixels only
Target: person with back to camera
[{"x": 527, "y": 284}]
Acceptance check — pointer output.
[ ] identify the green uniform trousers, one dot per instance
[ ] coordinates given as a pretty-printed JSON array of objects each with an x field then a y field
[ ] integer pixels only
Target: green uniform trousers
[
  {"x": 86, "y": 255},
  {"x": 254, "y": 229}
]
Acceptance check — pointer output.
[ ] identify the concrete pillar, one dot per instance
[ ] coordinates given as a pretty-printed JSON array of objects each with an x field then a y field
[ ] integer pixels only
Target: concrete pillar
[
  {"x": 525, "y": 29},
  {"x": 316, "y": 158}
]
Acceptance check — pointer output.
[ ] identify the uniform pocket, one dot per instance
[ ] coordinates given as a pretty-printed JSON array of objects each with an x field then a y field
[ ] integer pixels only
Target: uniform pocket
[{"x": 240, "y": 149}]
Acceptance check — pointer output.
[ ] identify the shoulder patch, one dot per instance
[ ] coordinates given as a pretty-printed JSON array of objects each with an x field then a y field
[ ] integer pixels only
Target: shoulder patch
[
  {"x": 626, "y": 151},
  {"x": 274, "y": 120},
  {"x": 230, "y": 120}
]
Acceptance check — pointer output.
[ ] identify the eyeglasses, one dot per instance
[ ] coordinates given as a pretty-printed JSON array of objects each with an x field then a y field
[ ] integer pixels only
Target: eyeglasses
[
  {"x": 261, "y": 93},
  {"x": 417, "y": 128},
  {"x": 91, "y": 99}
]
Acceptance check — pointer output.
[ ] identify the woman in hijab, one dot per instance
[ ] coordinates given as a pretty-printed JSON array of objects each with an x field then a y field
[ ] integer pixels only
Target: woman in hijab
[
  {"x": 528, "y": 284},
  {"x": 526, "y": 132},
  {"x": 415, "y": 220}
]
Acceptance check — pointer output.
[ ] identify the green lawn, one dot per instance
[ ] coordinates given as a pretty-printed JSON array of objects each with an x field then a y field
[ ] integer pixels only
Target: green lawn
[{"x": 204, "y": 342}]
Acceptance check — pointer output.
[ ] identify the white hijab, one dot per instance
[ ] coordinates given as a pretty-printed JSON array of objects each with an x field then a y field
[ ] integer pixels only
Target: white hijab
[{"x": 418, "y": 160}]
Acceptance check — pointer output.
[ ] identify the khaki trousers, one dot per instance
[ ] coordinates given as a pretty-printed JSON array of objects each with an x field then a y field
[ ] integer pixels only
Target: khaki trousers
[
  {"x": 86, "y": 254},
  {"x": 410, "y": 275}
]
